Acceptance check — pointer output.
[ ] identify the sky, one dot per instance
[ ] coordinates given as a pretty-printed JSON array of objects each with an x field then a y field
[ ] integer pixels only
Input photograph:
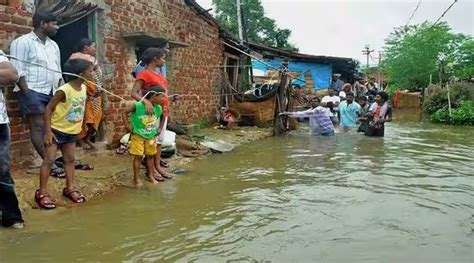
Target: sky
[{"x": 342, "y": 28}]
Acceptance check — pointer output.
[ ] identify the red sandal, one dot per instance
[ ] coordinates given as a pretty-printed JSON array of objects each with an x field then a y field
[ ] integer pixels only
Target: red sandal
[
  {"x": 39, "y": 198},
  {"x": 78, "y": 198}
]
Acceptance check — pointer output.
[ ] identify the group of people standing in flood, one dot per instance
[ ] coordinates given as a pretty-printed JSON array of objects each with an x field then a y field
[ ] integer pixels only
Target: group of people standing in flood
[
  {"x": 347, "y": 110},
  {"x": 65, "y": 113}
]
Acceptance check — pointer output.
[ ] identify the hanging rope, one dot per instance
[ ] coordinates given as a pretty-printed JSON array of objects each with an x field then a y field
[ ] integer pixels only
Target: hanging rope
[
  {"x": 261, "y": 61},
  {"x": 107, "y": 91}
]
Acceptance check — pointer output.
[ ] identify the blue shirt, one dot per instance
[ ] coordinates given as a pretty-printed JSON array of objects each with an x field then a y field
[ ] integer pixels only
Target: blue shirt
[
  {"x": 337, "y": 85},
  {"x": 348, "y": 114}
]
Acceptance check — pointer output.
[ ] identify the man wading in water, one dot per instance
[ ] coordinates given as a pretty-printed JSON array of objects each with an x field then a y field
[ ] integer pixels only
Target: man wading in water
[
  {"x": 332, "y": 102},
  {"x": 319, "y": 118},
  {"x": 348, "y": 111}
]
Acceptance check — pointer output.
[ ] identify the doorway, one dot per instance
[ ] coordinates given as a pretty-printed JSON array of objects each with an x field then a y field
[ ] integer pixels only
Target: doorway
[{"x": 68, "y": 36}]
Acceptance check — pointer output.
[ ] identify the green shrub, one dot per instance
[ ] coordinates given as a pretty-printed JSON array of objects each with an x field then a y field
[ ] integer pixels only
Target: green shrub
[
  {"x": 459, "y": 92},
  {"x": 462, "y": 115}
]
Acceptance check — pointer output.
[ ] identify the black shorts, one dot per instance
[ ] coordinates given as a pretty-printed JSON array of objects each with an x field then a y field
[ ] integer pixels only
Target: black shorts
[
  {"x": 63, "y": 138},
  {"x": 33, "y": 103}
]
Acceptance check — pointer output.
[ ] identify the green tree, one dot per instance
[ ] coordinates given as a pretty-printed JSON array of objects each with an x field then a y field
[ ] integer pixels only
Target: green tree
[
  {"x": 414, "y": 52},
  {"x": 258, "y": 27}
]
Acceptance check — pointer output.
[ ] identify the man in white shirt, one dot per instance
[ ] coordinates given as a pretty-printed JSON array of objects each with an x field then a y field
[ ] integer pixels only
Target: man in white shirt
[
  {"x": 332, "y": 102},
  {"x": 11, "y": 214},
  {"x": 319, "y": 118},
  {"x": 37, "y": 84}
]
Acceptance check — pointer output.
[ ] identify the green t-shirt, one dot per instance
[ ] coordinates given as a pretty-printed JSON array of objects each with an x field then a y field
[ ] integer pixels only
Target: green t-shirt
[{"x": 144, "y": 124}]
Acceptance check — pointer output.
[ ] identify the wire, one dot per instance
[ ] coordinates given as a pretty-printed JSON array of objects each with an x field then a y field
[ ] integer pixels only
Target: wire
[
  {"x": 414, "y": 11},
  {"x": 109, "y": 92},
  {"x": 207, "y": 66},
  {"x": 372, "y": 58},
  {"x": 64, "y": 73},
  {"x": 261, "y": 61},
  {"x": 122, "y": 98},
  {"x": 445, "y": 11}
]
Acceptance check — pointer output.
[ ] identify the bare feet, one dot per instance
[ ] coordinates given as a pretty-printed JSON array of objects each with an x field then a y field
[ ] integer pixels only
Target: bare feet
[{"x": 138, "y": 183}]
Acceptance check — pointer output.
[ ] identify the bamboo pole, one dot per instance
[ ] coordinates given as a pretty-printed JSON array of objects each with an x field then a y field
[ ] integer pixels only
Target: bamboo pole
[{"x": 281, "y": 102}]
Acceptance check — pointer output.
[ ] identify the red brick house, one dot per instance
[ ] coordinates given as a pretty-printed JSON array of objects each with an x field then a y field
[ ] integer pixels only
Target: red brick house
[{"x": 122, "y": 29}]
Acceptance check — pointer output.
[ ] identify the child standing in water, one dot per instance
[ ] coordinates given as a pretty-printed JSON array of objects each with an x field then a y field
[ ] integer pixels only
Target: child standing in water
[
  {"x": 144, "y": 129},
  {"x": 63, "y": 121}
]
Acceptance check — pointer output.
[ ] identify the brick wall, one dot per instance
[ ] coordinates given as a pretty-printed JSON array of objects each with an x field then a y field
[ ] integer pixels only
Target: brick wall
[
  {"x": 187, "y": 71},
  {"x": 173, "y": 20},
  {"x": 14, "y": 23}
]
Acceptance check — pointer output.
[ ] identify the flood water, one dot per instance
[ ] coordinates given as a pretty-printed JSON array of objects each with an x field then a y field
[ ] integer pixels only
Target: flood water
[{"x": 408, "y": 197}]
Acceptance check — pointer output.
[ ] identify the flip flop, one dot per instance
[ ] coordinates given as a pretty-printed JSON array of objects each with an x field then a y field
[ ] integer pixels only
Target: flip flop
[
  {"x": 164, "y": 164},
  {"x": 84, "y": 167},
  {"x": 122, "y": 149},
  {"x": 159, "y": 178},
  {"x": 167, "y": 176},
  {"x": 57, "y": 173}
]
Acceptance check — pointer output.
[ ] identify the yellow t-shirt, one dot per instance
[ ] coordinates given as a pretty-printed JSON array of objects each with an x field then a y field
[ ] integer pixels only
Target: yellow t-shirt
[{"x": 68, "y": 116}]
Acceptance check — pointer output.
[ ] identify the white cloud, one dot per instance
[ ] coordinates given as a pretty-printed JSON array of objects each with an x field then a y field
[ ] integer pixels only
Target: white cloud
[{"x": 343, "y": 28}]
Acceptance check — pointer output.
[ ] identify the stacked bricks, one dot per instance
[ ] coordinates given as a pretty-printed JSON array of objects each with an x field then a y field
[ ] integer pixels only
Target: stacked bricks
[
  {"x": 13, "y": 23},
  {"x": 186, "y": 71}
]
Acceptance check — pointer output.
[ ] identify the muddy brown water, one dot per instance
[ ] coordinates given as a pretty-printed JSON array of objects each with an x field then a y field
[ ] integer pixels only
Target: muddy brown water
[{"x": 408, "y": 197}]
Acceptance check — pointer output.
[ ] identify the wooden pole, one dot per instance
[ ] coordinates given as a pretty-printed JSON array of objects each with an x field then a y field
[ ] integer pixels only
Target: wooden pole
[{"x": 281, "y": 102}]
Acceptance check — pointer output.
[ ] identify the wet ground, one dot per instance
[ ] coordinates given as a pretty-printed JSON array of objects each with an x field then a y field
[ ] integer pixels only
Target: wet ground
[
  {"x": 408, "y": 197},
  {"x": 112, "y": 171}
]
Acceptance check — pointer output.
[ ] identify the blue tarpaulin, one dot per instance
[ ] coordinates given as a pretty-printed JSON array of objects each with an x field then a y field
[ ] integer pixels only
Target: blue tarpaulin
[{"x": 320, "y": 73}]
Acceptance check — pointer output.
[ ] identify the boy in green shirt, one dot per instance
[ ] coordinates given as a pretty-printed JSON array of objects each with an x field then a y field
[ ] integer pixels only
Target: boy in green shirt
[{"x": 143, "y": 128}]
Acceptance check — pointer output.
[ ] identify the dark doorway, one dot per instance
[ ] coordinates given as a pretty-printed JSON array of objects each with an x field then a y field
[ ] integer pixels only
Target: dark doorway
[{"x": 68, "y": 36}]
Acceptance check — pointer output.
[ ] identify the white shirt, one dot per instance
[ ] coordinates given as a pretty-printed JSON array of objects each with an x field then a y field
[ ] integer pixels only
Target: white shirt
[
  {"x": 332, "y": 99},
  {"x": 31, "y": 48},
  {"x": 319, "y": 119},
  {"x": 342, "y": 94},
  {"x": 3, "y": 106}
]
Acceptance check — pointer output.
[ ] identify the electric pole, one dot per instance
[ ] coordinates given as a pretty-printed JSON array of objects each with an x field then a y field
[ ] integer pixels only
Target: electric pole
[
  {"x": 367, "y": 52},
  {"x": 247, "y": 72},
  {"x": 378, "y": 68},
  {"x": 239, "y": 22}
]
